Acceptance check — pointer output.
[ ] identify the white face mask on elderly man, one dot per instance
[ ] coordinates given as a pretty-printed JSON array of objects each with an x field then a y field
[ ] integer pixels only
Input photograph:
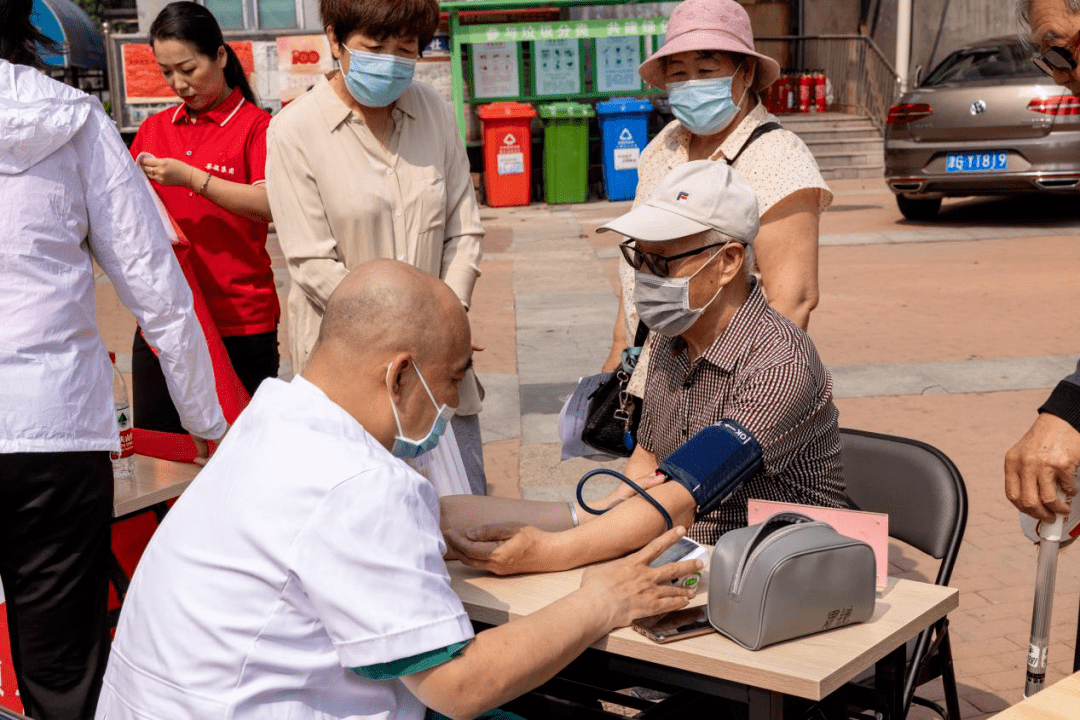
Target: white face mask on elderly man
[{"x": 663, "y": 304}]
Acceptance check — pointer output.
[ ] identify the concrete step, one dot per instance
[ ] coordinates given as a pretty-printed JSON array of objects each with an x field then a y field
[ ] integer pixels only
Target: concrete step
[
  {"x": 812, "y": 136},
  {"x": 809, "y": 126},
  {"x": 844, "y": 157},
  {"x": 853, "y": 171},
  {"x": 840, "y": 144},
  {"x": 845, "y": 146},
  {"x": 828, "y": 122}
]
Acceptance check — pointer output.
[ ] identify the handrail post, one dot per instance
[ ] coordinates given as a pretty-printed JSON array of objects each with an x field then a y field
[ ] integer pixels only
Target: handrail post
[{"x": 903, "y": 41}]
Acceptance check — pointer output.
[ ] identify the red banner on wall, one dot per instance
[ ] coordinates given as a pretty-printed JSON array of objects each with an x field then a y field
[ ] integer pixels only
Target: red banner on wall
[{"x": 143, "y": 81}]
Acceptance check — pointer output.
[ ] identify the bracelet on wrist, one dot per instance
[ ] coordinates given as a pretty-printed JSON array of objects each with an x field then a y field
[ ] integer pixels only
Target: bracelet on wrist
[
  {"x": 573, "y": 513},
  {"x": 204, "y": 184}
]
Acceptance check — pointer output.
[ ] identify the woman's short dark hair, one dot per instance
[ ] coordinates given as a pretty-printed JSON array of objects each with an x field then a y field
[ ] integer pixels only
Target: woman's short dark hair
[
  {"x": 380, "y": 19},
  {"x": 20, "y": 41},
  {"x": 192, "y": 23}
]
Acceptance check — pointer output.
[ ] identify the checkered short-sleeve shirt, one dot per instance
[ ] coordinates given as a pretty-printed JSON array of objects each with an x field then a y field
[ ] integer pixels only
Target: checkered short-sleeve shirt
[{"x": 764, "y": 373}]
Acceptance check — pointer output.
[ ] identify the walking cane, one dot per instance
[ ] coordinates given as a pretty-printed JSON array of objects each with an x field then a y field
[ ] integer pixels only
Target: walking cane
[{"x": 1049, "y": 536}]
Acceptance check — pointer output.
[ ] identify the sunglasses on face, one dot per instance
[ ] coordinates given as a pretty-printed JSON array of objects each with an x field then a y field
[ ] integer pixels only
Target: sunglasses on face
[
  {"x": 1058, "y": 58},
  {"x": 658, "y": 264}
]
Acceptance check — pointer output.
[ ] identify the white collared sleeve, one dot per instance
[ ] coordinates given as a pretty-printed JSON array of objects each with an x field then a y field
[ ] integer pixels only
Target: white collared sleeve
[
  {"x": 129, "y": 238},
  {"x": 370, "y": 560}
]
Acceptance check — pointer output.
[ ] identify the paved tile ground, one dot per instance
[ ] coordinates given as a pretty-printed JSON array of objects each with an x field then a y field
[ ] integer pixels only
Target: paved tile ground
[{"x": 950, "y": 332}]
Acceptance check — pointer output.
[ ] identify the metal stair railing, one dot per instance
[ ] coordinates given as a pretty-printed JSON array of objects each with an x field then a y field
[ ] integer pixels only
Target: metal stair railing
[{"x": 860, "y": 79}]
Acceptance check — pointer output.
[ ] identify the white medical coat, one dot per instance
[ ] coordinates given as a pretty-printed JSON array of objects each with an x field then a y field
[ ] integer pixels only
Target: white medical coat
[{"x": 302, "y": 550}]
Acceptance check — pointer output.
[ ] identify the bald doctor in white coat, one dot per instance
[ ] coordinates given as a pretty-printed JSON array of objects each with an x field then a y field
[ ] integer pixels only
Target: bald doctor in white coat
[{"x": 301, "y": 575}]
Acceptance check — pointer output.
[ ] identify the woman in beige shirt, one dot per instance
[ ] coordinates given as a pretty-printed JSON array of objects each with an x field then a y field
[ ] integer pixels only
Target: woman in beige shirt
[
  {"x": 709, "y": 43},
  {"x": 368, "y": 164}
]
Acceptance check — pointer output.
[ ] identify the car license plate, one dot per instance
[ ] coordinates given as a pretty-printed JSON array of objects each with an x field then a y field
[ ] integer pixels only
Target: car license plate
[{"x": 966, "y": 162}]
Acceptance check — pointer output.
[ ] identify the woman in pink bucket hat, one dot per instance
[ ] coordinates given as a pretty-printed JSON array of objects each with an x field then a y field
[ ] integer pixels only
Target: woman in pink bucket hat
[{"x": 713, "y": 77}]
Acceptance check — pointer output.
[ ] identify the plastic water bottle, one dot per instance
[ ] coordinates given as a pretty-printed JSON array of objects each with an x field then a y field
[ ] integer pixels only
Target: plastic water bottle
[{"x": 123, "y": 462}]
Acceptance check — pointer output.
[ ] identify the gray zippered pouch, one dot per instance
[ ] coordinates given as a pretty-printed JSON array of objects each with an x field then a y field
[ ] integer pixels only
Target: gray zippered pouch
[{"x": 788, "y": 577}]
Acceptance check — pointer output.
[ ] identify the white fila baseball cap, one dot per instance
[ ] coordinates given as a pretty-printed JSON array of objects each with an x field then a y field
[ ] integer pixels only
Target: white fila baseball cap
[{"x": 694, "y": 197}]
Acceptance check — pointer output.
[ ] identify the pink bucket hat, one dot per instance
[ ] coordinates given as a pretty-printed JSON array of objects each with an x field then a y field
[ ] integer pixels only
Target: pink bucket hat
[{"x": 708, "y": 25}]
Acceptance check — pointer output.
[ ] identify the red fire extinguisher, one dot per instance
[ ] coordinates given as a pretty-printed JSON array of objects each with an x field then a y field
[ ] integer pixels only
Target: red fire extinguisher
[
  {"x": 805, "y": 92},
  {"x": 783, "y": 94},
  {"x": 772, "y": 100},
  {"x": 819, "y": 91}
]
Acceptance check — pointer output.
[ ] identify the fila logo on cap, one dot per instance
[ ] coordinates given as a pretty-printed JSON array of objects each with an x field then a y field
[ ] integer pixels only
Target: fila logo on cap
[{"x": 682, "y": 197}]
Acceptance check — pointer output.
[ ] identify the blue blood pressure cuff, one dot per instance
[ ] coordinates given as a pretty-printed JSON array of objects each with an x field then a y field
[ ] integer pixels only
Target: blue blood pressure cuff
[
  {"x": 710, "y": 466},
  {"x": 713, "y": 463}
]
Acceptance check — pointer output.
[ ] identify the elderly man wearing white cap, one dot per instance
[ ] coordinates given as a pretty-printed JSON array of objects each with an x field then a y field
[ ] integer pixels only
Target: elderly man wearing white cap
[
  {"x": 718, "y": 351},
  {"x": 715, "y": 79}
]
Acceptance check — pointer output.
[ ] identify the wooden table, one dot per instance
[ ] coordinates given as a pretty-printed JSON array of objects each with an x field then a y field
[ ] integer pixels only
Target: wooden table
[
  {"x": 1060, "y": 701},
  {"x": 810, "y": 667},
  {"x": 155, "y": 481}
]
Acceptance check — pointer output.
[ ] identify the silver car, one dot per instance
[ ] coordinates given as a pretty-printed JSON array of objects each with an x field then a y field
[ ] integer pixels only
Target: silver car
[{"x": 986, "y": 121}]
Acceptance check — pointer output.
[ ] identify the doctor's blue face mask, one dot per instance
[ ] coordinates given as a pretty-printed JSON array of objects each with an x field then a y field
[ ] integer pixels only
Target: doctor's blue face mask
[
  {"x": 408, "y": 448},
  {"x": 378, "y": 79}
]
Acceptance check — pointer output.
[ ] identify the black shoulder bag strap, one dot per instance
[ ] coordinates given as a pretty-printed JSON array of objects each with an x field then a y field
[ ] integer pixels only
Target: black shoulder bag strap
[
  {"x": 758, "y": 132},
  {"x": 641, "y": 335}
]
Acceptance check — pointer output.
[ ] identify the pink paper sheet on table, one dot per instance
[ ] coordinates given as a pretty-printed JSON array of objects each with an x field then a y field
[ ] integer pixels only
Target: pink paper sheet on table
[{"x": 871, "y": 528}]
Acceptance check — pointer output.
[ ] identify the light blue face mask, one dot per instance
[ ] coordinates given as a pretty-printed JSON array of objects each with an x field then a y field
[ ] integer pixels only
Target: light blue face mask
[
  {"x": 407, "y": 448},
  {"x": 703, "y": 106},
  {"x": 378, "y": 79}
]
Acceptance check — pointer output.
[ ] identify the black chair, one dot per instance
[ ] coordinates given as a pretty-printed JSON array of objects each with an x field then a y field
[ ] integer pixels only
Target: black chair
[{"x": 924, "y": 496}]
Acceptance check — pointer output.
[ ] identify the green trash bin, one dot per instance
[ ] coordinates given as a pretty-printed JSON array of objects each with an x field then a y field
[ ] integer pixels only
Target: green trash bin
[{"x": 566, "y": 151}]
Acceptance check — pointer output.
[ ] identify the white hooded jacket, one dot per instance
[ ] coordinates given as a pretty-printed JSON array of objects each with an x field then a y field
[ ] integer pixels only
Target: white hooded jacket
[{"x": 69, "y": 194}]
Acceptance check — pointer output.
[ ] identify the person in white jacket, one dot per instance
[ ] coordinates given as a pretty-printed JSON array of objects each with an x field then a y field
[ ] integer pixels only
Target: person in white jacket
[{"x": 70, "y": 195}]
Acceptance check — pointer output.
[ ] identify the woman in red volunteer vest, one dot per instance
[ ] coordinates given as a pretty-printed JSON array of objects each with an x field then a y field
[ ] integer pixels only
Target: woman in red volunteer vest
[{"x": 206, "y": 159}]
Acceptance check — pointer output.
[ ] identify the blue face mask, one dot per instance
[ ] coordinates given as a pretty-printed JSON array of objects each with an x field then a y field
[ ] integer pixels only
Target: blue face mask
[
  {"x": 703, "y": 106},
  {"x": 407, "y": 448},
  {"x": 378, "y": 79}
]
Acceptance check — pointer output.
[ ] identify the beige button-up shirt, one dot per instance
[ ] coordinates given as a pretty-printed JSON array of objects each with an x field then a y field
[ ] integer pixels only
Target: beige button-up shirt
[{"x": 339, "y": 198}]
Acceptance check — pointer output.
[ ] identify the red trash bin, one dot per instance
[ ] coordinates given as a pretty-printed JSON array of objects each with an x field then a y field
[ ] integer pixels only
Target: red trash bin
[{"x": 507, "y": 153}]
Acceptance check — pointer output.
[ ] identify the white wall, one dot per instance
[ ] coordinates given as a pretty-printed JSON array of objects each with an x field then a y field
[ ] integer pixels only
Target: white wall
[{"x": 148, "y": 10}]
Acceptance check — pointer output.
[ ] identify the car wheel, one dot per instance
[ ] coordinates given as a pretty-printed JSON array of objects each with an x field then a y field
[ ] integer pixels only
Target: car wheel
[{"x": 918, "y": 209}]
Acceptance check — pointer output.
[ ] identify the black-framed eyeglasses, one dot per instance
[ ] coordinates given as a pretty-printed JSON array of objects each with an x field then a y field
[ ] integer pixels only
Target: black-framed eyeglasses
[
  {"x": 658, "y": 264},
  {"x": 1058, "y": 58}
]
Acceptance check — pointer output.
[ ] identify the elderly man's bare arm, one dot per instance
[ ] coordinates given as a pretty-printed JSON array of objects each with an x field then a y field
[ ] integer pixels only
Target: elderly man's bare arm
[{"x": 517, "y": 542}]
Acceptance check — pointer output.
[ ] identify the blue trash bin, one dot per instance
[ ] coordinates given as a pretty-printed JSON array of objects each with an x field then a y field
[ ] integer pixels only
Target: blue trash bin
[{"x": 624, "y": 133}]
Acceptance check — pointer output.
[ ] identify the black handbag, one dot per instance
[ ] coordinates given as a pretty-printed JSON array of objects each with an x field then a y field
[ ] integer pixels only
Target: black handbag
[{"x": 612, "y": 421}]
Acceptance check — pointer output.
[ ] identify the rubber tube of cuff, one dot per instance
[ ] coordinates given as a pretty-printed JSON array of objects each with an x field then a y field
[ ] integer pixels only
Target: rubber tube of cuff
[{"x": 637, "y": 488}]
